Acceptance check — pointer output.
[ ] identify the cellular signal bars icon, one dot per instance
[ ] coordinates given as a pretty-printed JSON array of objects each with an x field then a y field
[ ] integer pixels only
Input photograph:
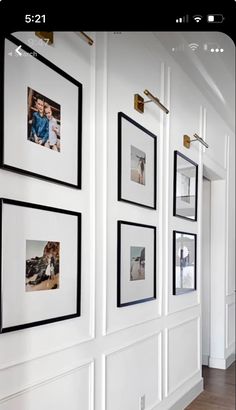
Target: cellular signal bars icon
[{"x": 184, "y": 19}]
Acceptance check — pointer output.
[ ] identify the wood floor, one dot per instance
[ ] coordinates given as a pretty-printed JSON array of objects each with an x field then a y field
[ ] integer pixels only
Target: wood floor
[{"x": 219, "y": 390}]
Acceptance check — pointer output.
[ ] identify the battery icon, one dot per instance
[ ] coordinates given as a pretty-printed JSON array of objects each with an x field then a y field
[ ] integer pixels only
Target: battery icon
[{"x": 215, "y": 18}]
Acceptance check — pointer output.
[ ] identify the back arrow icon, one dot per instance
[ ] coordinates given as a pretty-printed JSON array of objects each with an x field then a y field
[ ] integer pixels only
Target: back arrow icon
[{"x": 17, "y": 51}]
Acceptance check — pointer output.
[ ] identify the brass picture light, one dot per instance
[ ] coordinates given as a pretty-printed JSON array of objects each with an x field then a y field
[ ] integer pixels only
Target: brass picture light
[
  {"x": 187, "y": 141},
  {"x": 139, "y": 102}
]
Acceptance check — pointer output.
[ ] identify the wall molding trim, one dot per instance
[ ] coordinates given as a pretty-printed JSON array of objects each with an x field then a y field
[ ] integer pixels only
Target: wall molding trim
[
  {"x": 105, "y": 356},
  {"x": 183, "y": 401},
  {"x": 205, "y": 360},
  {"x": 169, "y": 391},
  {"x": 111, "y": 332},
  {"x": 223, "y": 364},
  {"x": 228, "y": 342},
  {"x": 37, "y": 385},
  {"x": 188, "y": 397},
  {"x": 230, "y": 359},
  {"x": 44, "y": 355},
  {"x": 154, "y": 334}
]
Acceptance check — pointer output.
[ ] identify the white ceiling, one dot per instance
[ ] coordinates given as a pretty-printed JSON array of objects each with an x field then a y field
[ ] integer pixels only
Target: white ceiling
[{"x": 213, "y": 73}]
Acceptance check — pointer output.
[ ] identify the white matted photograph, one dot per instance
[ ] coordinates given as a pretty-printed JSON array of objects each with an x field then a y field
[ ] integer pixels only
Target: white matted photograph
[
  {"x": 44, "y": 139},
  {"x": 136, "y": 163},
  {"x": 185, "y": 187},
  {"x": 184, "y": 263},
  {"x": 136, "y": 263},
  {"x": 40, "y": 270},
  {"x": 44, "y": 119}
]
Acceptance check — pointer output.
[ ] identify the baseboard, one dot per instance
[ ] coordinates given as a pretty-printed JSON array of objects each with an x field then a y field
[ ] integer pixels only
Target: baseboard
[
  {"x": 191, "y": 395},
  {"x": 230, "y": 359},
  {"x": 221, "y": 363},
  {"x": 205, "y": 360}
]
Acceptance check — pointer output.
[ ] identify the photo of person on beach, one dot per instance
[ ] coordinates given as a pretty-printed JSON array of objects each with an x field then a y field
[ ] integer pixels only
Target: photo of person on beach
[
  {"x": 42, "y": 265},
  {"x": 138, "y": 164}
]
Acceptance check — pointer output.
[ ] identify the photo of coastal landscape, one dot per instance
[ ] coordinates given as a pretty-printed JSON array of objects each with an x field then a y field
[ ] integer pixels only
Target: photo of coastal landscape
[{"x": 137, "y": 263}]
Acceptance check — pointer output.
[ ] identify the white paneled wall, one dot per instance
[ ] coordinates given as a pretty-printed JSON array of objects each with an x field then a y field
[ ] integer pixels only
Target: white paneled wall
[
  {"x": 190, "y": 350},
  {"x": 181, "y": 124},
  {"x": 69, "y": 54},
  {"x": 230, "y": 321},
  {"x": 74, "y": 388},
  {"x": 216, "y": 134},
  {"x": 137, "y": 366},
  {"x": 110, "y": 357},
  {"x": 122, "y": 84}
]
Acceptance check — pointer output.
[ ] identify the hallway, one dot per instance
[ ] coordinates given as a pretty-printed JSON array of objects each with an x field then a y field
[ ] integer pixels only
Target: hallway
[
  {"x": 118, "y": 249},
  {"x": 219, "y": 393}
]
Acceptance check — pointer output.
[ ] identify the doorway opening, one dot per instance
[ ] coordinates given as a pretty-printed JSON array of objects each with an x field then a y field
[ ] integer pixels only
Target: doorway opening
[{"x": 206, "y": 271}]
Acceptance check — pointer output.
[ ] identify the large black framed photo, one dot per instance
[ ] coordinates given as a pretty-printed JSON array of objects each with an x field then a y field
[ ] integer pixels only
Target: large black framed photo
[
  {"x": 40, "y": 265},
  {"x": 136, "y": 263},
  {"x": 185, "y": 187},
  {"x": 184, "y": 262},
  {"x": 136, "y": 163},
  {"x": 41, "y": 117}
]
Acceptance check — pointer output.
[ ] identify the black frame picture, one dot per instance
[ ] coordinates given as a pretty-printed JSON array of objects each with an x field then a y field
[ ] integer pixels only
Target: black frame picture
[
  {"x": 136, "y": 263},
  {"x": 40, "y": 279},
  {"x": 185, "y": 187},
  {"x": 184, "y": 262},
  {"x": 137, "y": 163},
  {"x": 40, "y": 116}
]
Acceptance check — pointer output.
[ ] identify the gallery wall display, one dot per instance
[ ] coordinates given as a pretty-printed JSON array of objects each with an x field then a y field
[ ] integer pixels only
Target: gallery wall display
[
  {"x": 184, "y": 262},
  {"x": 185, "y": 187},
  {"x": 136, "y": 263},
  {"x": 40, "y": 265},
  {"x": 41, "y": 117},
  {"x": 137, "y": 166}
]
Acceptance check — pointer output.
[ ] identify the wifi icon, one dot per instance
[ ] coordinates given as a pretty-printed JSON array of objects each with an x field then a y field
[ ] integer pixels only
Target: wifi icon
[
  {"x": 193, "y": 46},
  {"x": 197, "y": 18}
]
